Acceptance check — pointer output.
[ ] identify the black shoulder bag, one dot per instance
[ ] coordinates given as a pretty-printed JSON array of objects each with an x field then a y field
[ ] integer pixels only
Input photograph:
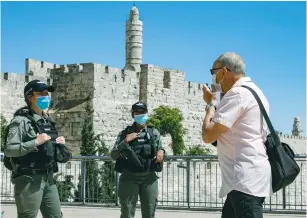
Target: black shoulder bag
[{"x": 283, "y": 166}]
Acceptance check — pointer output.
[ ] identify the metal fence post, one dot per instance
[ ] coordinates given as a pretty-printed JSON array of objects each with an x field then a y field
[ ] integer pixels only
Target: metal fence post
[
  {"x": 284, "y": 198},
  {"x": 188, "y": 181},
  {"x": 83, "y": 179},
  {"x": 116, "y": 188}
]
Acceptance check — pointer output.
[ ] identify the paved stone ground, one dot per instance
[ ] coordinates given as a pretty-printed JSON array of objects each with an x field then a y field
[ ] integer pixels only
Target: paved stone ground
[{"x": 94, "y": 212}]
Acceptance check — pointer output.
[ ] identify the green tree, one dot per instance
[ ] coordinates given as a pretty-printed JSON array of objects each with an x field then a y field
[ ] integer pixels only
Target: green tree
[
  {"x": 100, "y": 180},
  {"x": 169, "y": 121},
  {"x": 3, "y": 128},
  {"x": 64, "y": 187},
  {"x": 93, "y": 188},
  {"x": 198, "y": 150},
  {"x": 107, "y": 172}
]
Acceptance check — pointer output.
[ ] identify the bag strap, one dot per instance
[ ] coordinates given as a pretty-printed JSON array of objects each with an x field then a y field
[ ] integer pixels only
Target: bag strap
[
  {"x": 150, "y": 131},
  {"x": 264, "y": 113},
  {"x": 34, "y": 124}
]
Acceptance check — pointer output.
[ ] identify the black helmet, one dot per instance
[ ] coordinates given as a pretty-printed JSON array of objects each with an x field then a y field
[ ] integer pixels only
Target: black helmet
[{"x": 139, "y": 107}]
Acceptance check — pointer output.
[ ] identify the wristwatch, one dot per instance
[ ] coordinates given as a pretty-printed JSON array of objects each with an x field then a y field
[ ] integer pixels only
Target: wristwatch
[{"x": 209, "y": 105}]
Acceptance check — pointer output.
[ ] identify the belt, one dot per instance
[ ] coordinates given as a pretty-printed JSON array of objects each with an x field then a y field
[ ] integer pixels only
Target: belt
[{"x": 34, "y": 171}]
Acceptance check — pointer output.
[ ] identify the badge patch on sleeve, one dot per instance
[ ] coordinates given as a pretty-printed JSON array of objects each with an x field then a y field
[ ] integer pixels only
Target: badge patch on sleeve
[{"x": 12, "y": 133}]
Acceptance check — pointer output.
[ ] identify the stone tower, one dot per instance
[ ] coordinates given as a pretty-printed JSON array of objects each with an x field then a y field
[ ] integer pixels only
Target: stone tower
[
  {"x": 297, "y": 127},
  {"x": 134, "y": 41}
]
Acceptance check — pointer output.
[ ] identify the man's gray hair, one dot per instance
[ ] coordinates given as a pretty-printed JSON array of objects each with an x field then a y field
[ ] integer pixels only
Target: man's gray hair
[{"x": 233, "y": 62}]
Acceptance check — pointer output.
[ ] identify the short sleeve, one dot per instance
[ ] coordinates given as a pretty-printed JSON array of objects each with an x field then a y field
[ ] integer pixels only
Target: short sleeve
[{"x": 230, "y": 108}]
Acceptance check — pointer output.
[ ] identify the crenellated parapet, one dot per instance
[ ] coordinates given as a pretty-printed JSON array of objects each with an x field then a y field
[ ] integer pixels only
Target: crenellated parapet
[
  {"x": 38, "y": 68},
  {"x": 297, "y": 143},
  {"x": 73, "y": 68},
  {"x": 192, "y": 88},
  {"x": 293, "y": 137}
]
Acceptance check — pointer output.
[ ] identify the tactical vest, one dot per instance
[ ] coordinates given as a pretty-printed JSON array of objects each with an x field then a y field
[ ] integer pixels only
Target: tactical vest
[
  {"x": 44, "y": 158},
  {"x": 141, "y": 156}
]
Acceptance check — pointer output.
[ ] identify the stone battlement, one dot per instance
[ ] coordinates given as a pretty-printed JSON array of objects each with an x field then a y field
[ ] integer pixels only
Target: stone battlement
[
  {"x": 12, "y": 77},
  {"x": 73, "y": 68},
  {"x": 39, "y": 68},
  {"x": 19, "y": 78},
  {"x": 293, "y": 137},
  {"x": 155, "y": 68},
  {"x": 192, "y": 88}
]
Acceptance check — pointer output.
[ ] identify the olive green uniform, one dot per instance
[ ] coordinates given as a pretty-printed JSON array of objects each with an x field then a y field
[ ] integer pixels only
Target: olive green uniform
[
  {"x": 134, "y": 184},
  {"x": 31, "y": 192}
]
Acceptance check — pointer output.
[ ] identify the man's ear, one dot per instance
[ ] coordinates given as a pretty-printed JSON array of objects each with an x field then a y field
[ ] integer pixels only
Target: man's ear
[{"x": 225, "y": 71}]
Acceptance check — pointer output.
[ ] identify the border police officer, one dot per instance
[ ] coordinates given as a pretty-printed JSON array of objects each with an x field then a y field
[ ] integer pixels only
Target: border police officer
[
  {"x": 139, "y": 155},
  {"x": 32, "y": 150}
]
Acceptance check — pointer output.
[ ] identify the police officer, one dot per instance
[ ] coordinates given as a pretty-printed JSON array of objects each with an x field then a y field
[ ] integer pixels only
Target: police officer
[
  {"x": 139, "y": 155},
  {"x": 30, "y": 154}
]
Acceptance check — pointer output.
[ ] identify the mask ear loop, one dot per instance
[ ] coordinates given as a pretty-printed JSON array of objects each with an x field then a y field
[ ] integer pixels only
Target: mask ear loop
[{"x": 33, "y": 101}]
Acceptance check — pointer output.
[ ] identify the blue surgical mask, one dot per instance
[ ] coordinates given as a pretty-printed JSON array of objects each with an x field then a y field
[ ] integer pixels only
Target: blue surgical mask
[
  {"x": 141, "y": 118},
  {"x": 43, "y": 102}
]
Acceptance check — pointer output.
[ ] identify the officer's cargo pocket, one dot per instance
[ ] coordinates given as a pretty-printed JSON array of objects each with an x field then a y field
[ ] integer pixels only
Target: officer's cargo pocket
[{"x": 21, "y": 183}]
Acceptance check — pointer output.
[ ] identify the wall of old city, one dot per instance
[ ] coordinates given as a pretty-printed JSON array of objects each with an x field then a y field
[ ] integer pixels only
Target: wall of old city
[{"x": 111, "y": 92}]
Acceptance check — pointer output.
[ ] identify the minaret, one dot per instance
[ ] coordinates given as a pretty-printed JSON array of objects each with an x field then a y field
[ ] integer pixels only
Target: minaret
[
  {"x": 297, "y": 127},
  {"x": 134, "y": 41}
]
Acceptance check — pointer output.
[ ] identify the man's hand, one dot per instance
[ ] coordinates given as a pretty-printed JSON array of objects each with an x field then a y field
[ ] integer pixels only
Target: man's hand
[
  {"x": 60, "y": 140},
  {"x": 130, "y": 137},
  {"x": 41, "y": 139},
  {"x": 208, "y": 96},
  {"x": 160, "y": 156}
]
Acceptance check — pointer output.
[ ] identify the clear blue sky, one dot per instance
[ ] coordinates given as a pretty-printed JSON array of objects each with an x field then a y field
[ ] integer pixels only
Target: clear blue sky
[{"x": 189, "y": 36}]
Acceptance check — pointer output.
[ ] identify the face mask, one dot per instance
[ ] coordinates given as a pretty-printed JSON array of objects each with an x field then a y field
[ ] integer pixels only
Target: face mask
[
  {"x": 43, "y": 102},
  {"x": 141, "y": 118},
  {"x": 217, "y": 86}
]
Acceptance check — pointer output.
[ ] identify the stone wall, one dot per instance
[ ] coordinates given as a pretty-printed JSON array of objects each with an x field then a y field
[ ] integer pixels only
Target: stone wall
[
  {"x": 297, "y": 143},
  {"x": 12, "y": 86},
  {"x": 74, "y": 83},
  {"x": 111, "y": 92},
  {"x": 161, "y": 86},
  {"x": 39, "y": 69},
  {"x": 115, "y": 92},
  {"x": 12, "y": 89},
  {"x": 72, "y": 129},
  {"x": 74, "y": 89},
  {"x": 194, "y": 112}
]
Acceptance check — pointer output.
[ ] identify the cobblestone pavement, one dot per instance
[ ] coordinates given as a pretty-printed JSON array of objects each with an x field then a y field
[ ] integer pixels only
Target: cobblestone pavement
[{"x": 95, "y": 212}]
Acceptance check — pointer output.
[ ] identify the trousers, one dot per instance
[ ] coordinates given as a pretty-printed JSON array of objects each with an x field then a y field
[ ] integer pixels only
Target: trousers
[
  {"x": 131, "y": 186},
  {"x": 241, "y": 205},
  {"x": 34, "y": 193}
]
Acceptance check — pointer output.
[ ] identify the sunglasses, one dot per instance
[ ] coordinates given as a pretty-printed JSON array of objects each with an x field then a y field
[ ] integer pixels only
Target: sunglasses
[{"x": 212, "y": 70}]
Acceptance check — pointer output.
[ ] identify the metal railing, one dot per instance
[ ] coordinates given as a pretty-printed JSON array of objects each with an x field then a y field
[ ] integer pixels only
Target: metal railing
[{"x": 185, "y": 182}]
